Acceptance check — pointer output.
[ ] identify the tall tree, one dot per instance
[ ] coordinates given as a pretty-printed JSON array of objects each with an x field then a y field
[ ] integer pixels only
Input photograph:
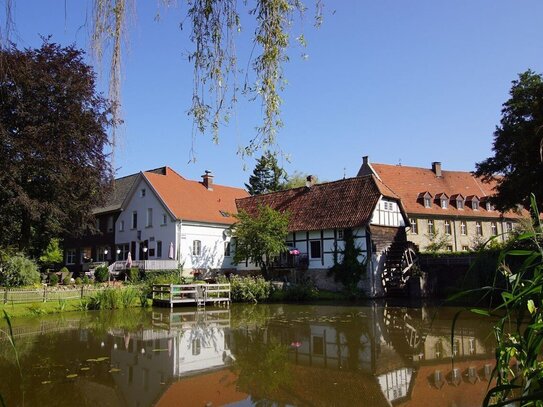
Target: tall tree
[
  {"x": 298, "y": 179},
  {"x": 261, "y": 237},
  {"x": 53, "y": 132},
  {"x": 267, "y": 176},
  {"x": 517, "y": 164}
]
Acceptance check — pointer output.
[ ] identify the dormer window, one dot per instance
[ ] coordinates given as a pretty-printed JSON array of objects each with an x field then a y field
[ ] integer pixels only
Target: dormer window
[
  {"x": 489, "y": 206},
  {"x": 426, "y": 199},
  {"x": 458, "y": 200},
  {"x": 443, "y": 200},
  {"x": 474, "y": 201},
  {"x": 142, "y": 192},
  {"x": 460, "y": 203}
]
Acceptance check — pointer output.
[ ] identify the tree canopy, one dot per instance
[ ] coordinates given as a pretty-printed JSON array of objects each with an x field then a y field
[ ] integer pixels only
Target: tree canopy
[
  {"x": 53, "y": 132},
  {"x": 517, "y": 164},
  {"x": 267, "y": 176},
  {"x": 261, "y": 237}
]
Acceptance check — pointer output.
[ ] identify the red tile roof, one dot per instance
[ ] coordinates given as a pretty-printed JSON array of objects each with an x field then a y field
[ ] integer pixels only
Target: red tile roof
[
  {"x": 191, "y": 200},
  {"x": 339, "y": 204},
  {"x": 410, "y": 182}
]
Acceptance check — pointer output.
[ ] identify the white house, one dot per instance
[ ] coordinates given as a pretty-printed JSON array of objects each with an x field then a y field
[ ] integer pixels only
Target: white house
[
  {"x": 320, "y": 215},
  {"x": 167, "y": 217}
]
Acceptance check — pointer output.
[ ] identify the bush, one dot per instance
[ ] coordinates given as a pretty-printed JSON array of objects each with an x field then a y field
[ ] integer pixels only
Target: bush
[
  {"x": 250, "y": 289},
  {"x": 133, "y": 274},
  {"x": 53, "y": 280},
  {"x": 67, "y": 280},
  {"x": 85, "y": 279},
  {"x": 78, "y": 281},
  {"x": 113, "y": 298},
  {"x": 19, "y": 270},
  {"x": 101, "y": 274},
  {"x": 64, "y": 271}
]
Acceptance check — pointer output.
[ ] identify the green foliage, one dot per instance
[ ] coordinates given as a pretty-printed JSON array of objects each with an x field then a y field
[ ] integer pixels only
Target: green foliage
[
  {"x": 36, "y": 310},
  {"x": 298, "y": 179},
  {"x": 113, "y": 298},
  {"x": 64, "y": 271},
  {"x": 19, "y": 270},
  {"x": 519, "y": 326},
  {"x": 85, "y": 279},
  {"x": 438, "y": 243},
  {"x": 54, "y": 167},
  {"x": 347, "y": 268},
  {"x": 101, "y": 274},
  {"x": 267, "y": 175},
  {"x": 53, "y": 279},
  {"x": 260, "y": 237},
  {"x": 249, "y": 289},
  {"x": 67, "y": 280},
  {"x": 517, "y": 145},
  {"x": 52, "y": 254},
  {"x": 133, "y": 274},
  {"x": 78, "y": 281},
  {"x": 300, "y": 292}
]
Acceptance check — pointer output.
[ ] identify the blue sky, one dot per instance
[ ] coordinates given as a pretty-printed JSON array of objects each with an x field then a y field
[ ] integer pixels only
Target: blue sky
[{"x": 401, "y": 81}]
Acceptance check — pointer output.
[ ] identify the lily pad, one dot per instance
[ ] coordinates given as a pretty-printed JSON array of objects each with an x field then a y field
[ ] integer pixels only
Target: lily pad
[
  {"x": 46, "y": 382},
  {"x": 160, "y": 350},
  {"x": 114, "y": 370},
  {"x": 85, "y": 368},
  {"x": 71, "y": 376},
  {"x": 101, "y": 359},
  {"x": 92, "y": 360}
]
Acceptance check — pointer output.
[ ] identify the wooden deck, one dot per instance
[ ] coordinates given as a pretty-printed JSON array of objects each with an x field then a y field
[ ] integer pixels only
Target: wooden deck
[{"x": 198, "y": 294}]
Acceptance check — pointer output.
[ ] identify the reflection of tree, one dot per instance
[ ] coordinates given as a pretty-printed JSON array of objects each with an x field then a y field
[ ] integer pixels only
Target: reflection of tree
[
  {"x": 261, "y": 364},
  {"x": 357, "y": 333}
]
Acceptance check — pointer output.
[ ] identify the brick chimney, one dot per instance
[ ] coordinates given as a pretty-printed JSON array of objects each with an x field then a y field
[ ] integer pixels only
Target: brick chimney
[
  {"x": 436, "y": 168},
  {"x": 208, "y": 180}
]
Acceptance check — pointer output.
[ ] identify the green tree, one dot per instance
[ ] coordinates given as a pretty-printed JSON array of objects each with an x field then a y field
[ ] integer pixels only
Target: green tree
[
  {"x": 261, "y": 237},
  {"x": 298, "y": 179},
  {"x": 347, "y": 268},
  {"x": 517, "y": 164},
  {"x": 52, "y": 254},
  {"x": 267, "y": 175},
  {"x": 53, "y": 134}
]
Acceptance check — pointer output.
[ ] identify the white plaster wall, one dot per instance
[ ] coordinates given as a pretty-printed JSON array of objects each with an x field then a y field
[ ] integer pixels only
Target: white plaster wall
[
  {"x": 165, "y": 233},
  {"x": 387, "y": 213},
  {"x": 212, "y": 238}
]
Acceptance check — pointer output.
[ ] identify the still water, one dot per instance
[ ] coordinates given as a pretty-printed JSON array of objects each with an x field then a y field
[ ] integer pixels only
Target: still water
[{"x": 259, "y": 355}]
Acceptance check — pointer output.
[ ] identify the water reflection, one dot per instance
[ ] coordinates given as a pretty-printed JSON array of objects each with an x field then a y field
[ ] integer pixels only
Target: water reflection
[{"x": 252, "y": 355}]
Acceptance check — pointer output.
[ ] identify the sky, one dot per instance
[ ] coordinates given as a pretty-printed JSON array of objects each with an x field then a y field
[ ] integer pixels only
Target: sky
[{"x": 407, "y": 82}]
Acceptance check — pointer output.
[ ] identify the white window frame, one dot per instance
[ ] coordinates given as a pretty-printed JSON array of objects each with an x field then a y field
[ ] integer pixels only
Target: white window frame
[
  {"x": 509, "y": 227},
  {"x": 431, "y": 227},
  {"x": 494, "y": 228},
  {"x": 196, "y": 247},
  {"x": 414, "y": 226},
  {"x": 475, "y": 205},
  {"x": 448, "y": 228},
  {"x": 444, "y": 204},
  {"x": 164, "y": 219},
  {"x": 134, "y": 222},
  {"x": 121, "y": 226},
  {"x": 149, "y": 218},
  {"x": 227, "y": 249},
  {"x": 70, "y": 256},
  {"x": 311, "y": 249},
  {"x": 427, "y": 202},
  {"x": 463, "y": 228},
  {"x": 479, "y": 228},
  {"x": 142, "y": 192}
]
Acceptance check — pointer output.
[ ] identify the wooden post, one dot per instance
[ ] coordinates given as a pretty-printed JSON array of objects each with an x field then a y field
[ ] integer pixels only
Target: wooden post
[
  {"x": 82, "y": 292},
  {"x": 44, "y": 293},
  {"x": 171, "y": 295},
  {"x": 5, "y": 296}
]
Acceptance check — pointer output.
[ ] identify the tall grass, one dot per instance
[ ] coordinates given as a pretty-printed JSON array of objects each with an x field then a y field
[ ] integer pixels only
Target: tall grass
[
  {"x": 113, "y": 298},
  {"x": 519, "y": 320}
]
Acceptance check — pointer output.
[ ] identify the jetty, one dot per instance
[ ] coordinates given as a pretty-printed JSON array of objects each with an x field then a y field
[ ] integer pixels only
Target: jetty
[{"x": 197, "y": 294}]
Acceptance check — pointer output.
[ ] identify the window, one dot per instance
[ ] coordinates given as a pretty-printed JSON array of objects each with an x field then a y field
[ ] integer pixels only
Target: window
[
  {"x": 196, "y": 347},
  {"x": 134, "y": 220},
  {"x": 102, "y": 254},
  {"x": 479, "y": 228},
  {"x": 121, "y": 226},
  {"x": 159, "y": 248},
  {"x": 494, "y": 228},
  {"x": 465, "y": 248},
  {"x": 151, "y": 253},
  {"x": 142, "y": 192},
  {"x": 509, "y": 227},
  {"x": 340, "y": 234},
  {"x": 460, "y": 204},
  {"x": 226, "y": 249},
  {"x": 318, "y": 345},
  {"x": 489, "y": 206},
  {"x": 388, "y": 206},
  {"x": 110, "y": 223},
  {"x": 475, "y": 205},
  {"x": 149, "y": 220},
  {"x": 86, "y": 254},
  {"x": 315, "y": 249},
  {"x": 414, "y": 226},
  {"x": 70, "y": 256},
  {"x": 463, "y": 228},
  {"x": 122, "y": 251},
  {"x": 444, "y": 204},
  {"x": 164, "y": 218},
  {"x": 431, "y": 227},
  {"x": 447, "y": 227},
  {"x": 449, "y": 248},
  {"x": 196, "y": 248},
  {"x": 427, "y": 202}
]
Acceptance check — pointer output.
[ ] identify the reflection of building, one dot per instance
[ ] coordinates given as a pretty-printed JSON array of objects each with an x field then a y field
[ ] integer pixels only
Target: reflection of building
[{"x": 151, "y": 358}]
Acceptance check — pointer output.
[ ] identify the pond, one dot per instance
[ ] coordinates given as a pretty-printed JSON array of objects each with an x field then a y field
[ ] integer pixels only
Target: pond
[{"x": 265, "y": 355}]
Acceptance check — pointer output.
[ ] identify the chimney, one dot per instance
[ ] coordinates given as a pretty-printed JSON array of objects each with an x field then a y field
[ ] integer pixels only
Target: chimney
[
  {"x": 310, "y": 181},
  {"x": 208, "y": 180},
  {"x": 436, "y": 168},
  {"x": 365, "y": 160}
]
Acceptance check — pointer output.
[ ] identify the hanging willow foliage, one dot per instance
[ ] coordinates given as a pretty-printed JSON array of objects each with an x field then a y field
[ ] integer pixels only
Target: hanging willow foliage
[{"x": 214, "y": 26}]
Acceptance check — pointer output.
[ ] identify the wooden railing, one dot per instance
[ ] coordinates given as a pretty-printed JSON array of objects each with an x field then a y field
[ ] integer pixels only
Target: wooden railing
[
  {"x": 198, "y": 294},
  {"x": 45, "y": 294}
]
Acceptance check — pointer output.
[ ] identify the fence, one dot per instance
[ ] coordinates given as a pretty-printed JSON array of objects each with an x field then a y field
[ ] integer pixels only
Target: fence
[{"x": 28, "y": 295}]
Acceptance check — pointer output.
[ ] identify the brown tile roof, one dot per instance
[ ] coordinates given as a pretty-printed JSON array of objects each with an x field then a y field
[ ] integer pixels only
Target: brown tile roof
[
  {"x": 339, "y": 204},
  {"x": 191, "y": 200},
  {"x": 410, "y": 182}
]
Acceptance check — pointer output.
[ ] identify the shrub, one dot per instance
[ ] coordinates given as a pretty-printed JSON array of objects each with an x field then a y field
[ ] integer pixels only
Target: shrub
[
  {"x": 133, "y": 274},
  {"x": 101, "y": 274},
  {"x": 85, "y": 279},
  {"x": 53, "y": 280},
  {"x": 64, "y": 271},
  {"x": 113, "y": 298},
  {"x": 78, "y": 281},
  {"x": 19, "y": 270},
  {"x": 250, "y": 289},
  {"x": 301, "y": 292},
  {"x": 67, "y": 280}
]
